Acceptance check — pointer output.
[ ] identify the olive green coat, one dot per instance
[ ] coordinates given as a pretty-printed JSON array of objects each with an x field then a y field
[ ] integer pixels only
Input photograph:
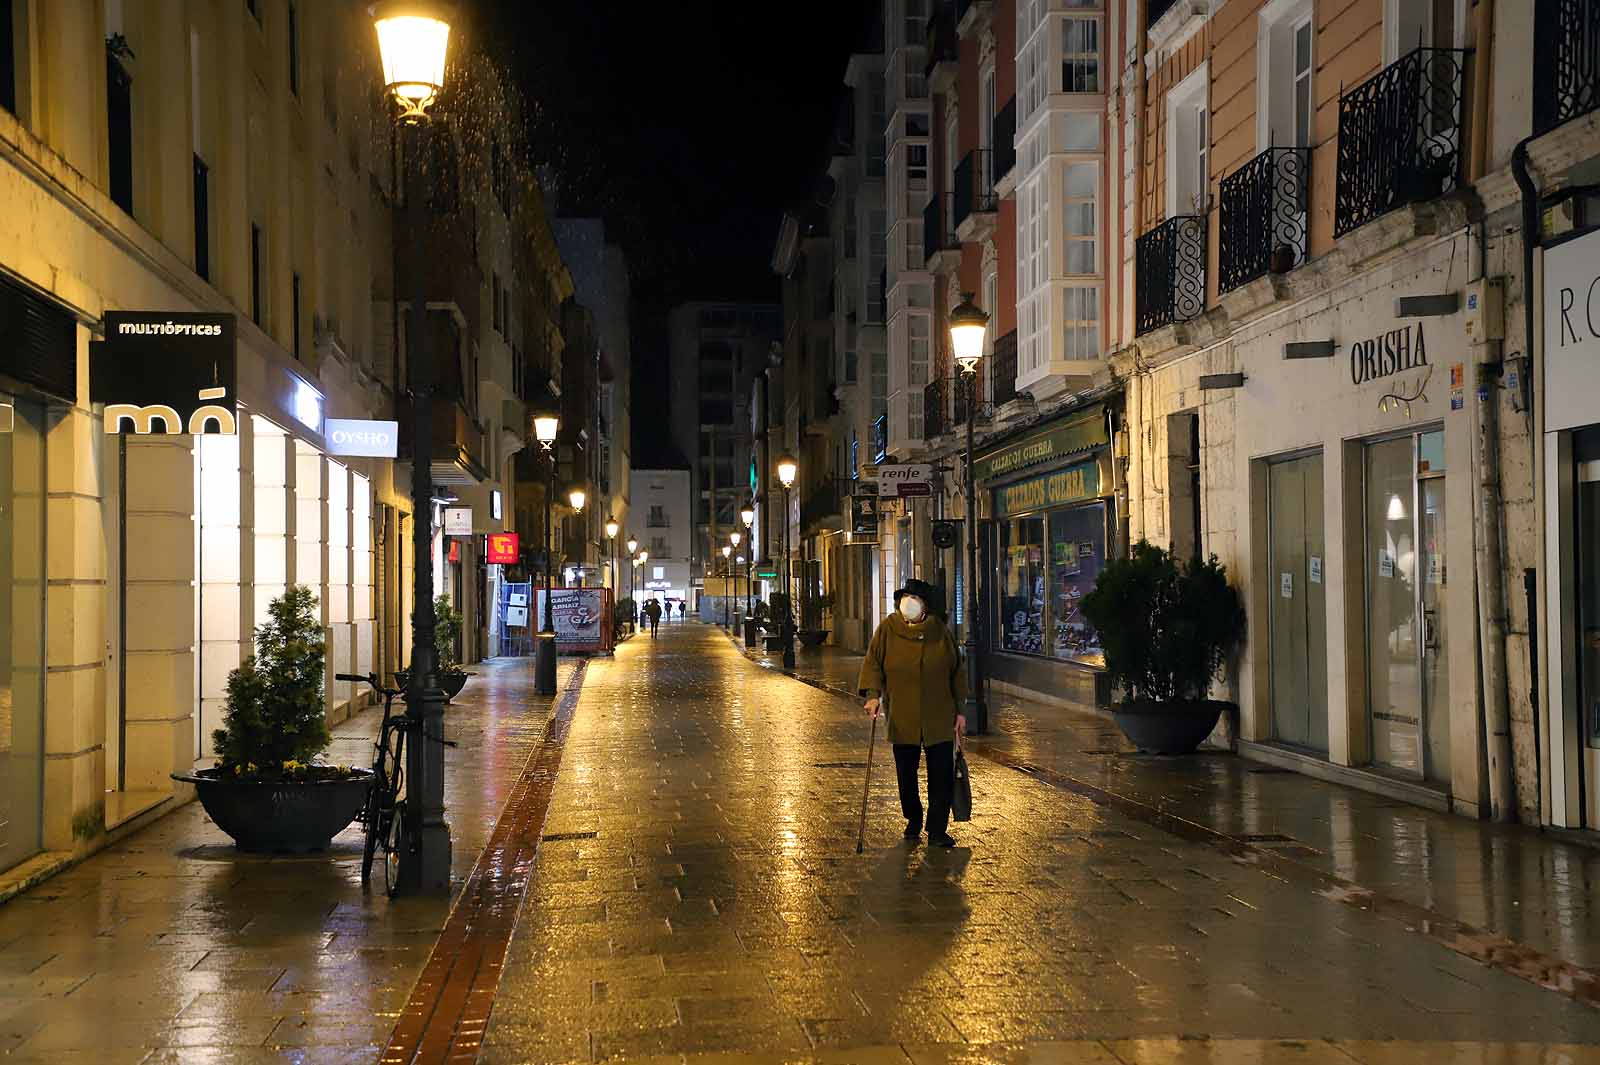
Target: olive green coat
[{"x": 916, "y": 669}]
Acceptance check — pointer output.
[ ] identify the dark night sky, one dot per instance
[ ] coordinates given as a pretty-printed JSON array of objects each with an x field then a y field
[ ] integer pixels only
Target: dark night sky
[{"x": 689, "y": 127}]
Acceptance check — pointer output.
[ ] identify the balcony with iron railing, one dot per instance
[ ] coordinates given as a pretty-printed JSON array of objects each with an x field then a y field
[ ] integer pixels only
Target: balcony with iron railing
[
  {"x": 1003, "y": 370},
  {"x": 1399, "y": 137},
  {"x": 1263, "y": 216},
  {"x": 1003, "y": 135},
  {"x": 1566, "y": 77},
  {"x": 938, "y": 233},
  {"x": 1170, "y": 273},
  {"x": 975, "y": 200}
]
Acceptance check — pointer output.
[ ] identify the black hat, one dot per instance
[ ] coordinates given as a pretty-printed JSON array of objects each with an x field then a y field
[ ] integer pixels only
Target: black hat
[{"x": 922, "y": 590}]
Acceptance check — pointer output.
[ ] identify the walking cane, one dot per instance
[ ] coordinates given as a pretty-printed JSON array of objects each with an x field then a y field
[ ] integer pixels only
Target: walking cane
[{"x": 866, "y": 789}]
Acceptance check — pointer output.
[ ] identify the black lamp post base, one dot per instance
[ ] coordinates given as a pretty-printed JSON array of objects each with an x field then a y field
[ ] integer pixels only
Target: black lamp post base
[{"x": 544, "y": 663}]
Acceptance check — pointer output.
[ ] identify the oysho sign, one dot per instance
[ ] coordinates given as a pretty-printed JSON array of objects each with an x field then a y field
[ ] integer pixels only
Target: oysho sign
[
  {"x": 1572, "y": 333},
  {"x": 363, "y": 439},
  {"x": 161, "y": 372}
]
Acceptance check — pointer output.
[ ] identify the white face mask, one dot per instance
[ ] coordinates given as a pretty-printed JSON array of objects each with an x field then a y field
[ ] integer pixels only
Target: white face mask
[{"x": 912, "y": 608}]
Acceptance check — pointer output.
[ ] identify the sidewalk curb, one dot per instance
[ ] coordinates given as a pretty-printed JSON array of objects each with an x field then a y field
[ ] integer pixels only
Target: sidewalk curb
[
  {"x": 1489, "y": 949},
  {"x": 447, "y": 1013}
]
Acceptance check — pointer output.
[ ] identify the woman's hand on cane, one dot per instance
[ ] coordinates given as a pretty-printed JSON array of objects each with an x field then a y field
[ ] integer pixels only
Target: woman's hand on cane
[{"x": 874, "y": 706}]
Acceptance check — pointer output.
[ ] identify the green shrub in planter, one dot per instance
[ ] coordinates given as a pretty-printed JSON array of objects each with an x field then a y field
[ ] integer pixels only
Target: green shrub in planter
[
  {"x": 1166, "y": 625},
  {"x": 446, "y": 632},
  {"x": 274, "y": 723}
]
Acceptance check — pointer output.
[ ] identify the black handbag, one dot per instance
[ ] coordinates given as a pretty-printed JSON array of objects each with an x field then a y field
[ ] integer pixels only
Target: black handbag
[{"x": 961, "y": 799}]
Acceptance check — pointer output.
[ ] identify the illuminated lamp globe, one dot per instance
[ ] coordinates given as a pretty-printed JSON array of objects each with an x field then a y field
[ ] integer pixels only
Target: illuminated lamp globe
[
  {"x": 611, "y": 529},
  {"x": 787, "y": 469},
  {"x": 413, "y": 39},
  {"x": 748, "y": 515},
  {"x": 576, "y": 497},
  {"x": 633, "y": 545},
  {"x": 968, "y": 325}
]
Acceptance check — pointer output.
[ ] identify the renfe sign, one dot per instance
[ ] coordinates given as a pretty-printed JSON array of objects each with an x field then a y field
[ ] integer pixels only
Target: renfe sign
[
  {"x": 905, "y": 479},
  {"x": 1572, "y": 334},
  {"x": 166, "y": 372},
  {"x": 363, "y": 439}
]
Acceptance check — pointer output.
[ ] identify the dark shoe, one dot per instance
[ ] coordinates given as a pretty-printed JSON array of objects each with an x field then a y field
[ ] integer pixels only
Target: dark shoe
[
  {"x": 914, "y": 829},
  {"x": 942, "y": 840}
]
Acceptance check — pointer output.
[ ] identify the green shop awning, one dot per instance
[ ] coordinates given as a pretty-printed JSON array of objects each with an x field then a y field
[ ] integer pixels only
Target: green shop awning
[{"x": 1074, "y": 434}]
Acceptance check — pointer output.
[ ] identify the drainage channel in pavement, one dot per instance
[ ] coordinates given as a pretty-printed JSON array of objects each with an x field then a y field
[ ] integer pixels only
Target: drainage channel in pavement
[
  {"x": 1277, "y": 857},
  {"x": 448, "y": 1011}
]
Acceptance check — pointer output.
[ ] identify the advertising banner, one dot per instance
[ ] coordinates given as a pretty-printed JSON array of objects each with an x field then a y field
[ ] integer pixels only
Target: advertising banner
[
  {"x": 166, "y": 372},
  {"x": 905, "y": 479},
  {"x": 582, "y": 619},
  {"x": 458, "y": 521}
]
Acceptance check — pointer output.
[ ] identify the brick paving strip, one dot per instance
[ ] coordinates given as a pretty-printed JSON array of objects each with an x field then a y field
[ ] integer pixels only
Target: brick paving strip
[
  {"x": 448, "y": 1011},
  {"x": 1487, "y": 948}
]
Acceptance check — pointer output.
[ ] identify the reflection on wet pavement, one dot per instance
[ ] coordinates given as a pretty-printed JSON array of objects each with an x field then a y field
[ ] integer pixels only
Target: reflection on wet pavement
[
  {"x": 172, "y": 946},
  {"x": 719, "y": 906}
]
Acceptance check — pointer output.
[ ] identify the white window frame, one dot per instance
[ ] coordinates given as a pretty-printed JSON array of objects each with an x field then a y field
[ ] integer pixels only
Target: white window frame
[
  {"x": 1098, "y": 54},
  {"x": 1067, "y": 200},
  {"x": 1184, "y": 102},
  {"x": 1277, "y": 23}
]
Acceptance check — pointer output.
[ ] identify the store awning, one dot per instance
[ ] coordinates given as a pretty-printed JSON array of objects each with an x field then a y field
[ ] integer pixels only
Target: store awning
[{"x": 1073, "y": 434}]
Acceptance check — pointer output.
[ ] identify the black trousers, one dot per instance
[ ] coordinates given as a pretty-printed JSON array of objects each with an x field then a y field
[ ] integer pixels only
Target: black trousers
[{"x": 941, "y": 782}]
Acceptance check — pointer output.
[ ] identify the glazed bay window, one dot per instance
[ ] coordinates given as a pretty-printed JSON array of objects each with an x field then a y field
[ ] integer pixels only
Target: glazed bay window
[
  {"x": 1080, "y": 217},
  {"x": 1080, "y": 54},
  {"x": 1081, "y": 322}
]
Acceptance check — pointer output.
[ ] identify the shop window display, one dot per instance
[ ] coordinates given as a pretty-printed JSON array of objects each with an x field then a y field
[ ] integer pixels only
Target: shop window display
[
  {"x": 1022, "y": 584},
  {"x": 1077, "y": 554}
]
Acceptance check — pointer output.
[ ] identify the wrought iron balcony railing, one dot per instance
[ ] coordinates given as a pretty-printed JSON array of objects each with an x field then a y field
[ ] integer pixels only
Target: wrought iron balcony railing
[
  {"x": 934, "y": 422},
  {"x": 1566, "y": 76},
  {"x": 1263, "y": 216},
  {"x": 1170, "y": 269},
  {"x": 1003, "y": 369},
  {"x": 938, "y": 231},
  {"x": 1004, "y": 136},
  {"x": 974, "y": 181},
  {"x": 1399, "y": 137}
]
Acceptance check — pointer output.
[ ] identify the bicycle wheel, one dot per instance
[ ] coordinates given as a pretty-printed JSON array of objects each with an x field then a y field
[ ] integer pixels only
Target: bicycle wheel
[
  {"x": 394, "y": 841},
  {"x": 372, "y": 818}
]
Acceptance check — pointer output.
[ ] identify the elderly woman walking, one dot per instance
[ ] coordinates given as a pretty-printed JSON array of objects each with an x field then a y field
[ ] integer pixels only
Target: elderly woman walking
[{"x": 913, "y": 670}]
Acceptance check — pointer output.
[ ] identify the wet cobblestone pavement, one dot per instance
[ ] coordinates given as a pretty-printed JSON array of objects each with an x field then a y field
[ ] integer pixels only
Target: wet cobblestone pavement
[
  {"x": 698, "y": 897},
  {"x": 173, "y": 947}
]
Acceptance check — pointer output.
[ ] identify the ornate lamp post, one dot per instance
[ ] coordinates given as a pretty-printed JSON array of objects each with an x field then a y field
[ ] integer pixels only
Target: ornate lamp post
[
  {"x": 747, "y": 514},
  {"x": 788, "y": 468},
  {"x": 968, "y": 327},
  {"x": 413, "y": 41},
  {"x": 546, "y": 424},
  {"x": 727, "y": 567},
  {"x": 612, "y": 528},
  {"x": 575, "y": 499},
  {"x": 633, "y": 578}
]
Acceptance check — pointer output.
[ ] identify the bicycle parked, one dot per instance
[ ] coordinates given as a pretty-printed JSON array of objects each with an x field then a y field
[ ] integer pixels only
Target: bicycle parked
[{"x": 384, "y": 815}]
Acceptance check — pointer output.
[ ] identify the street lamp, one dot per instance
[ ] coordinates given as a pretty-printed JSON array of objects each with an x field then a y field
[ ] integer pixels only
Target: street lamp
[
  {"x": 546, "y": 425},
  {"x": 633, "y": 590},
  {"x": 788, "y": 468},
  {"x": 576, "y": 498},
  {"x": 747, "y": 514},
  {"x": 413, "y": 42},
  {"x": 612, "y": 528},
  {"x": 968, "y": 327},
  {"x": 727, "y": 566}
]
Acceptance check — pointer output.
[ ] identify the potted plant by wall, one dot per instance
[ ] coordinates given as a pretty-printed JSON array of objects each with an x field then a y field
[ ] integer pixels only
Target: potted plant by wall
[
  {"x": 811, "y": 633},
  {"x": 1166, "y": 626},
  {"x": 268, "y": 790},
  {"x": 446, "y": 633}
]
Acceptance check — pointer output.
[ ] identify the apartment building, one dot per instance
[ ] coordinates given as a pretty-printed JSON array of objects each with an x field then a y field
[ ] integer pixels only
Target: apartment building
[
  {"x": 665, "y": 528},
  {"x": 233, "y": 160},
  {"x": 716, "y": 350},
  {"x": 1329, "y": 389}
]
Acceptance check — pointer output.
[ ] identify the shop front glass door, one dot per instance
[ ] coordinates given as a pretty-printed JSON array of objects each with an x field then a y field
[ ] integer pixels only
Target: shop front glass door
[
  {"x": 1077, "y": 554},
  {"x": 1022, "y": 585},
  {"x": 22, "y": 551},
  {"x": 1297, "y": 619},
  {"x": 1588, "y": 551},
  {"x": 1407, "y": 683}
]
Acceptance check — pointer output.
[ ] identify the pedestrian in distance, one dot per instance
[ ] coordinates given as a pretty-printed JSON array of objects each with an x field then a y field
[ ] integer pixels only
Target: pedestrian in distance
[
  {"x": 652, "y": 610},
  {"x": 913, "y": 671},
  {"x": 683, "y": 610}
]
